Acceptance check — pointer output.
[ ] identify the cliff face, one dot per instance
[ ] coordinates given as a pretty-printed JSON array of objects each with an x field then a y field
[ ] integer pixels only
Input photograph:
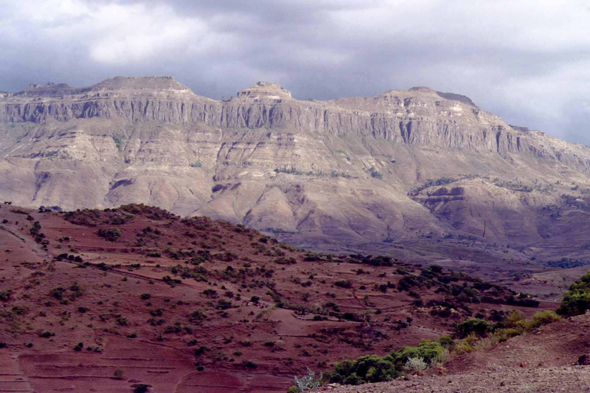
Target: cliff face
[
  {"x": 420, "y": 116},
  {"x": 345, "y": 172}
]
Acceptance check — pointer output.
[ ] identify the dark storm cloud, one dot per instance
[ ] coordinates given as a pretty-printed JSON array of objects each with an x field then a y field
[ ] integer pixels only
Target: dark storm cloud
[{"x": 527, "y": 61}]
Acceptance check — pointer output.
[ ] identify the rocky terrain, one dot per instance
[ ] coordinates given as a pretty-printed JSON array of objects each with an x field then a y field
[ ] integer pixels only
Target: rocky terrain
[
  {"x": 546, "y": 361},
  {"x": 123, "y": 299},
  {"x": 420, "y": 175}
]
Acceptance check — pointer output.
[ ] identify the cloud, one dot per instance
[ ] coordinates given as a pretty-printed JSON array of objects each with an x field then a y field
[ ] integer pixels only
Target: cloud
[{"x": 526, "y": 61}]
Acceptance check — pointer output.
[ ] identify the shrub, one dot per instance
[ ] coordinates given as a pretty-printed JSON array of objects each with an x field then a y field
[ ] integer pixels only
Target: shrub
[
  {"x": 309, "y": 381},
  {"x": 249, "y": 364},
  {"x": 427, "y": 350},
  {"x": 5, "y": 295},
  {"x": 374, "y": 173},
  {"x": 145, "y": 296},
  {"x": 343, "y": 284},
  {"x": 446, "y": 341},
  {"x": 540, "y": 319},
  {"x": 467, "y": 345},
  {"x": 202, "y": 349},
  {"x": 197, "y": 316},
  {"x": 57, "y": 293},
  {"x": 475, "y": 326},
  {"x": 506, "y": 333},
  {"x": 514, "y": 319},
  {"x": 223, "y": 304},
  {"x": 210, "y": 293},
  {"x": 577, "y": 300},
  {"x": 110, "y": 234},
  {"x": 416, "y": 365},
  {"x": 141, "y": 388},
  {"x": 371, "y": 368},
  {"x": 119, "y": 374}
]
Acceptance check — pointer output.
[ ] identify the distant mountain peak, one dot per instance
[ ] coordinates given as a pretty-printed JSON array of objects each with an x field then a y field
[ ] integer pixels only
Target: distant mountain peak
[
  {"x": 140, "y": 83},
  {"x": 422, "y": 88},
  {"x": 267, "y": 90},
  {"x": 456, "y": 97}
]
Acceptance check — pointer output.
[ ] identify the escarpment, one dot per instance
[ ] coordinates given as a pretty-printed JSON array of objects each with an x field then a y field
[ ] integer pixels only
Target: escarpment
[
  {"x": 350, "y": 172},
  {"x": 420, "y": 116}
]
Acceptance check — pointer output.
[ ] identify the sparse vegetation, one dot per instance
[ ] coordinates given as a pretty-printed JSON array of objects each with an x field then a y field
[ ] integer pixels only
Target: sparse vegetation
[
  {"x": 373, "y": 368},
  {"x": 294, "y": 171},
  {"x": 119, "y": 139},
  {"x": 374, "y": 173},
  {"x": 110, "y": 234},
  {"x": 475, "y": 326},
  {"x": 308, "y": 381}
]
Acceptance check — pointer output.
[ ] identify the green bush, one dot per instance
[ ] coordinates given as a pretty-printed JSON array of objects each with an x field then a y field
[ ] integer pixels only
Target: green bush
[
  {"x": 373, "y": 368},
  {"x": 427, "y": 350},
  {"x": 475, "y": 326},
  {"x": 343, "y": 284},
  {"x": 514, "y": 319},
  {"x": 506, "y": 333},
  {"x": 577, "y": 300},
  {"x": 540, "y": 319},
  {"x": 110, "y": 234},
  {"x": 446, "y": 341}
]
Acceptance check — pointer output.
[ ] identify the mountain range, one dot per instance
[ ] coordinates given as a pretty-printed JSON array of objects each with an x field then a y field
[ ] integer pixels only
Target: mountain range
[{"x": 419, "y": 174}]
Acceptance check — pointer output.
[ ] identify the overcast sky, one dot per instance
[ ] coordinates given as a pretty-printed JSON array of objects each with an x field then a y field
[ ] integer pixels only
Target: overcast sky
[{"x": 527, "y": 61}]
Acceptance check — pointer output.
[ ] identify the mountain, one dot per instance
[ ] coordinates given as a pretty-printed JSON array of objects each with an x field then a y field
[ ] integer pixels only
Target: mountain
[{"x": 418, "y": 174}]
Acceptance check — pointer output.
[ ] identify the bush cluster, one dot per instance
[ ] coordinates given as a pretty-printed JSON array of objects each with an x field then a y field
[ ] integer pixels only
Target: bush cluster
[
  {"x": 577, "y": 300},
  {"x": 373, "y": 368}
]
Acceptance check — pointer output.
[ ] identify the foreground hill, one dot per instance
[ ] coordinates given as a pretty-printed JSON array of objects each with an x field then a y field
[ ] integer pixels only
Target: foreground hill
[
  {"x": 418, "y": 174},
  {"x": 110, "y": 300},
  {"x": 553, "y": 359}
]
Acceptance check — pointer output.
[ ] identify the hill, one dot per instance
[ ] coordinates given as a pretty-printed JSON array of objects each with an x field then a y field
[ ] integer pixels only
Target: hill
[{"x": 120, "y": 298}]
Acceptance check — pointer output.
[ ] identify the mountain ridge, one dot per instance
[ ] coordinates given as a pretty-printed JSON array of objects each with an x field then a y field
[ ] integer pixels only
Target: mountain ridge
[{"x": 399, "y": 172}]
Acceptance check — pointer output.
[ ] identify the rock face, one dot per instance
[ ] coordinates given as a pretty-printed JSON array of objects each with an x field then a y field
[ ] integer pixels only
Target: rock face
[{"x": 352, "y": 172}]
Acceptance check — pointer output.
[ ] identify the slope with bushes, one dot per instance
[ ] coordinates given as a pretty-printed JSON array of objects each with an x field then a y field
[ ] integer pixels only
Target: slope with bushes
[{"x": 221, "y": 304}]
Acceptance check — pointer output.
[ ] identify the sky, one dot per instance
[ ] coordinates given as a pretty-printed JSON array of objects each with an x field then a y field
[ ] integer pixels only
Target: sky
[{"x": 527, "y": 61}]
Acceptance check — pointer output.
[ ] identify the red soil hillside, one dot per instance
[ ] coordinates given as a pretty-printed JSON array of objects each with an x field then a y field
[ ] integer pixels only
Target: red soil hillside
[{"x": 109, "y": 300}]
